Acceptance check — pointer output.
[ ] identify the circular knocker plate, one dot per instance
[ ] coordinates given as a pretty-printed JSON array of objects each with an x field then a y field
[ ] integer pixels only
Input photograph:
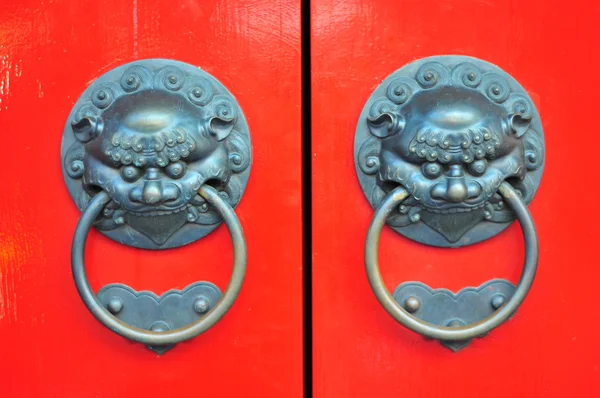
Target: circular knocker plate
[
  {"x": 450, "y": 130},
  {"x": 150, "y": 134}
]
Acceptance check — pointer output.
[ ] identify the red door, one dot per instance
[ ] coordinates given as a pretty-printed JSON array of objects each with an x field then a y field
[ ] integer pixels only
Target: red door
[
  {"x": 52, "y": 346},
  {"x": 550, "y": 347}
]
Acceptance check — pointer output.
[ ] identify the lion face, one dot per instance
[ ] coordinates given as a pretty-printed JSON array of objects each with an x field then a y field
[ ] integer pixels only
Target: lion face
[
  {"x": 449, "y": 133},
  {"x": 153, "y": 157},
  {"x": 150, "y": 138},
  {"x": 452, "y": 156}
]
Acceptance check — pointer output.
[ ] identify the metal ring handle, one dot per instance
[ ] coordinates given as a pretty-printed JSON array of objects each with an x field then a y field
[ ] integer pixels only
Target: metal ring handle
[
  {"x": 174, "y": 336},
  {"x": 482, "y": 327}
]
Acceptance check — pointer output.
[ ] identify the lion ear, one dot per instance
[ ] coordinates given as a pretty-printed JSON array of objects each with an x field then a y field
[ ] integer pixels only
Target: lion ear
[
  {"x": 518, "y": 124},
  {"x": 219, "y": 127},
  {"x": 87, "y": 128},
  {"x": 385, "y": 124}
]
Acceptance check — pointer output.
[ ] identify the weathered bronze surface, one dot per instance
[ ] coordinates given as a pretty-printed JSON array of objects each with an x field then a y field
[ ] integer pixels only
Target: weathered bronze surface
[
  {"x": 165, "y": 331},
  {"x": 446, "y": 321},
  {"x": 156, "y": 154},
  {"x": 449, "y": 129},
  {"x": 172, "y": 310},
  {"x": 445, "y": 308},
  {"x": 149, "y": 134},
  {"x": 449, "y": 150}
]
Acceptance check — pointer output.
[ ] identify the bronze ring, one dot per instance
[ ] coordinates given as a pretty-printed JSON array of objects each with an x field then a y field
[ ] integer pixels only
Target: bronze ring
[
  {"x": 174, "y": 336},
  {"x": 482, "y": 327}
]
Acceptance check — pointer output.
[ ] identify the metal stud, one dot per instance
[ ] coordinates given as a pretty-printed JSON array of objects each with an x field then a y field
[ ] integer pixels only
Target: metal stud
[
  {"x": 201, "y": 305},
  {"x": 115, "y": 305},
  {"x": 412, "y": 304},
  {"x": 497, "y": 301}
]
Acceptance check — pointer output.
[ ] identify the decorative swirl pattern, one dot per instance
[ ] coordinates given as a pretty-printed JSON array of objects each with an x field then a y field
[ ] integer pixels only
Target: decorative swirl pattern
[
  {"x": 467, "y": 74},
  {"x": 135, "y": 77},
  {"x": 170, "y": 77},
  {"x": 223, "y": 107},
  {"x": 104, "y": 95},
  {"x": 495, "y": 87},
  {"x": 87, "y": 109},
  {"x": 534, "y": 150},
  {"x": 200, "y": 91},
  {"x": 238, "y": 150},
  {"x": 381, "y": 106},
  {"x": 520, "y": 105},
  {"x": 368, "y": 156},
  {"x": 431, "y": 74},
  {"x": 73, "y": 162},
  {"x": 399, "y": 91}
]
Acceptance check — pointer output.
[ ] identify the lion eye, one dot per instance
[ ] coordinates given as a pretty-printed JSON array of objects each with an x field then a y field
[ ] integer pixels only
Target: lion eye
[
  {"x": 478, "y": 167},
  {"x": 175, "y": 170},
  {"x": 130, "y": 173},
  {"x": 432, "y": 170}
]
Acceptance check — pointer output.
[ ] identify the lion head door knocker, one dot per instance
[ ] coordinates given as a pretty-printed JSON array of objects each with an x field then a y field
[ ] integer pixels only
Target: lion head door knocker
[
  {"x": 449, "y": 150},
  {"x": 156, "y": 154}
]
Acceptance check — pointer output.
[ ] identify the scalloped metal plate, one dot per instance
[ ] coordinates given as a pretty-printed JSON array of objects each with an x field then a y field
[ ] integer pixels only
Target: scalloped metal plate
[
  {"x": 173, "y": 309},
  {"x": 442, "y": 307}
]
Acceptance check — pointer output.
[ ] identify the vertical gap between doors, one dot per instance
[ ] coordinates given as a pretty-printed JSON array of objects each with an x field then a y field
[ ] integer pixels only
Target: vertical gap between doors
[{"x": 306, "y": 200}]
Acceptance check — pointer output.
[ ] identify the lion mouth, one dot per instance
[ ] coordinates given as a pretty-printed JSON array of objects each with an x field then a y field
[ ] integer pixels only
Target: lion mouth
[
  {"x": 454, "y": 209},
  {"x": 155, "y": 213}
]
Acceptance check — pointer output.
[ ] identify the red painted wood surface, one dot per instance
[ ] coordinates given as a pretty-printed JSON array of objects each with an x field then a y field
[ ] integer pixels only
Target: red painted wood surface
[
  {"x": 51, "y": 346},
  {"x": 551, "y": 347}
]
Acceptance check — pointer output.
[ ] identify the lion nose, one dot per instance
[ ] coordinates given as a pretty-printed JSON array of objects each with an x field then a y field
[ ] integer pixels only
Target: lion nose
[
  {"x": 455, "y": 189},
  {"x": 152, "y": 191}
]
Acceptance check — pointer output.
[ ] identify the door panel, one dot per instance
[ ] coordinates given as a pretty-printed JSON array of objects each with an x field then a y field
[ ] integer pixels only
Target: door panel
[
  {"x": 549, "y": 347},
  {"x": 52, "y": 346}
]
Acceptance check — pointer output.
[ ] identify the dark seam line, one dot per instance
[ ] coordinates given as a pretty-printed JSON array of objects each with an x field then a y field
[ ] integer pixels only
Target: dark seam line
[{"x": 306, "y": 200}]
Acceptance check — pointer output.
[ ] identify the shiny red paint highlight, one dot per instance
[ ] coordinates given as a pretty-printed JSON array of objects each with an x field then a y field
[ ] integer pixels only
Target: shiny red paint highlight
[
  {"x": 550, "y": 348},
  {"x": 51, "y": 345}
]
